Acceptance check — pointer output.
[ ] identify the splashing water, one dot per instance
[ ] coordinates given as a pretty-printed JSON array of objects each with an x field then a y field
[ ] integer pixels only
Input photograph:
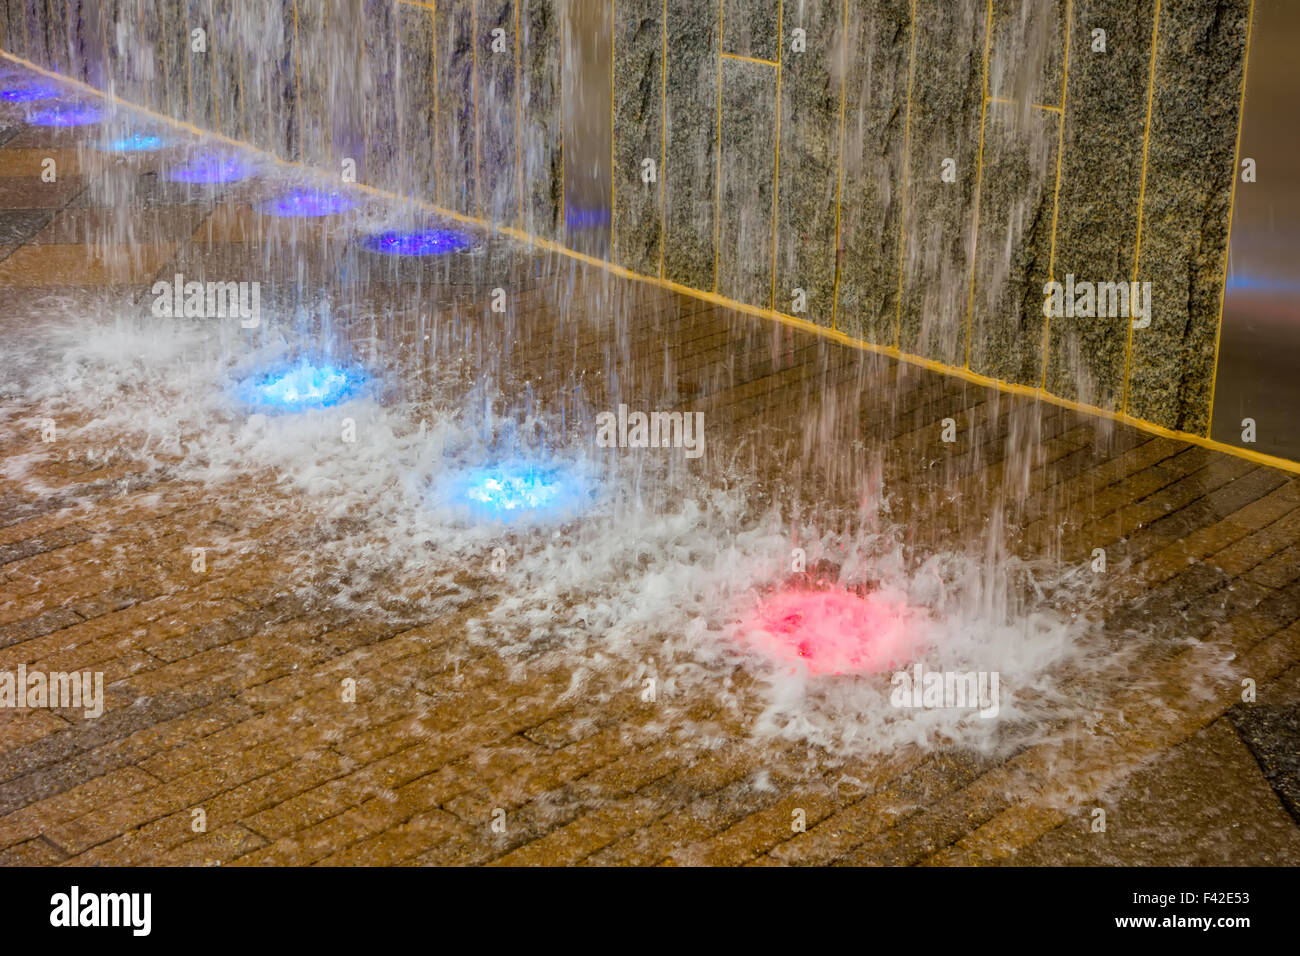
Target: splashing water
[
  {"x": 634, "y": 562},
  {"x": 308, "y": 202},
  {"x": 302, "y": 385},
  {"x": 831, "y": 632},
  {"x": 516, "y": 489}
]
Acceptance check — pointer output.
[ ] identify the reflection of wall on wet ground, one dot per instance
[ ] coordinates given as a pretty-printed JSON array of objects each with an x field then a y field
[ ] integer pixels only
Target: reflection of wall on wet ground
[{"x": 909, "y": 173}]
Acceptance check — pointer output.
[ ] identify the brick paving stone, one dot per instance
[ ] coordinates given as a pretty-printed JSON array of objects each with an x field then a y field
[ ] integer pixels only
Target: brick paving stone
[{"x": 225, "y": 690}]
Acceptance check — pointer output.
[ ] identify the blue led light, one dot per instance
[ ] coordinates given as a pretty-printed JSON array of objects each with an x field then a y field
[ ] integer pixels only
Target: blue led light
[
  {"x": 428, "y": 242},
  {"x": 211, "y": 168},
  {"x": 576, "y": 217},
  {"x": 134, "y": 143},
  {"x": 302, "y": 385},
  {"x": 30, "y": 92},
  {"x": 308, "y": 202},
  {"x": 514, "y": 490},
  {"x": 1263, "y": 284},
  {"x": 76, "y": 114}
]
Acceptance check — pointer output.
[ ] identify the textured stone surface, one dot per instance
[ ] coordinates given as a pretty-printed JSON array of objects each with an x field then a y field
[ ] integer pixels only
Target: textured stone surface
[
  {"x": 947, "y": 92},
  {"x": 413, "y": 174},
  {"x": 12, "y": 36},
  {"x": 498, "y": 162},
  {"x": 313, "y": 119},
  {"x": 379, "y": 76},
  {"x": 226, "y": 43},
  {"x": 343, "y": 65},
  {"x": 56, "y": 37},
  {"x": 415, "y": 95},
  {"x": 1101, "y": 169},
  {"x": 540, "y": 126},
  {"x": 457, "y": 141},
  {"x": 1027, "y": 51},
  {"x": 1014, "y": 242},
  {"x": 638, "y": 132},
  {"x": 748, "y": 173},
  {"x": 879, "y": 51},
  {"x": 268, "y": 81},
  {"x": 811, "y": 91},
  {"x": 86, "y": 43},
  {"x": 691, "y": 131},
  {"x": 1185, "y": 212},
  {"x": 37, "y": 30},
  {"x": 200, "y": 69},
  {"x": 1017, "y": 190},
  {"x": 1270, "y": 727},
  {"x": 749, "y": 28}
]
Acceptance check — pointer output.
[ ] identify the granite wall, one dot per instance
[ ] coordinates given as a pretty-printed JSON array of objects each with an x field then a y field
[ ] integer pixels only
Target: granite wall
[{"x": 907, "y": 172}]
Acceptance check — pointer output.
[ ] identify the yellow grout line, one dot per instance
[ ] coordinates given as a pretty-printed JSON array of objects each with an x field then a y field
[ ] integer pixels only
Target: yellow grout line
[
  {"x": 437, "y": 159},
  {"x": 367, "y": 172},
  {"x": 713, "y": 298},
  {"x": 751, "y": 59},
  {"x": 839, "y": 173},
  {"x": 776, "y": 162},
  {"x": 49, "y": 12},
  {"x": 297, "y": 76},
  {"x": 979, "y": 183},
  {"x": 1232, "y": 203},
  {"x": 1006, "y": 101},
  {"x": 717, "y": 181},
  {"x": 907, "y": 158},
  {"x": 243, "y": 100},
  {"x": 110, "y": 81},
  {"x": 1142, "y": 188},
  {"x": 519, "y": 129},
  {"x": 325, "y": 104},
  {"x": 613, "y": 165},
  {"x": 212, "y": 66},
  {"x": 67, "y": 28},
  {"x": 663, "y": 140},
  {"x": 1056, "y": 196},
  {"x": 564, "y": 199},
  {"x": 473, "y": 15}
]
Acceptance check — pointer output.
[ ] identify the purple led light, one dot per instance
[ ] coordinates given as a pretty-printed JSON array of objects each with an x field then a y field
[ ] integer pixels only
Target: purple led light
[
  {"x": 308, "y": 202},
  {"x": 575, "y": 217},
  {"x": 427, "y": 242},
  {"x": 211, "y": 168},
  {"x": 29, "y": 92},
  {"x": 76, "y": 114}
]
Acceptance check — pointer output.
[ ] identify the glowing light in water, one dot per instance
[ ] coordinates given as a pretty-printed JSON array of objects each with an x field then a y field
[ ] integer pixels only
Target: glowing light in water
[
  {"x": 518, "y": 489},
  {"x": 428, "y": 242},
  {"x": 302, "y": 385},
  {"x": 28, "y": 92},
  {"x": 308, "y": 202},
  {"x": 575, "y": 217},
  {"x": 77, "y": 114},
  {"x": 134, "y": 143},
  {"x": 211, "y": 168},
  {"x": 831, "y": 632}
]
